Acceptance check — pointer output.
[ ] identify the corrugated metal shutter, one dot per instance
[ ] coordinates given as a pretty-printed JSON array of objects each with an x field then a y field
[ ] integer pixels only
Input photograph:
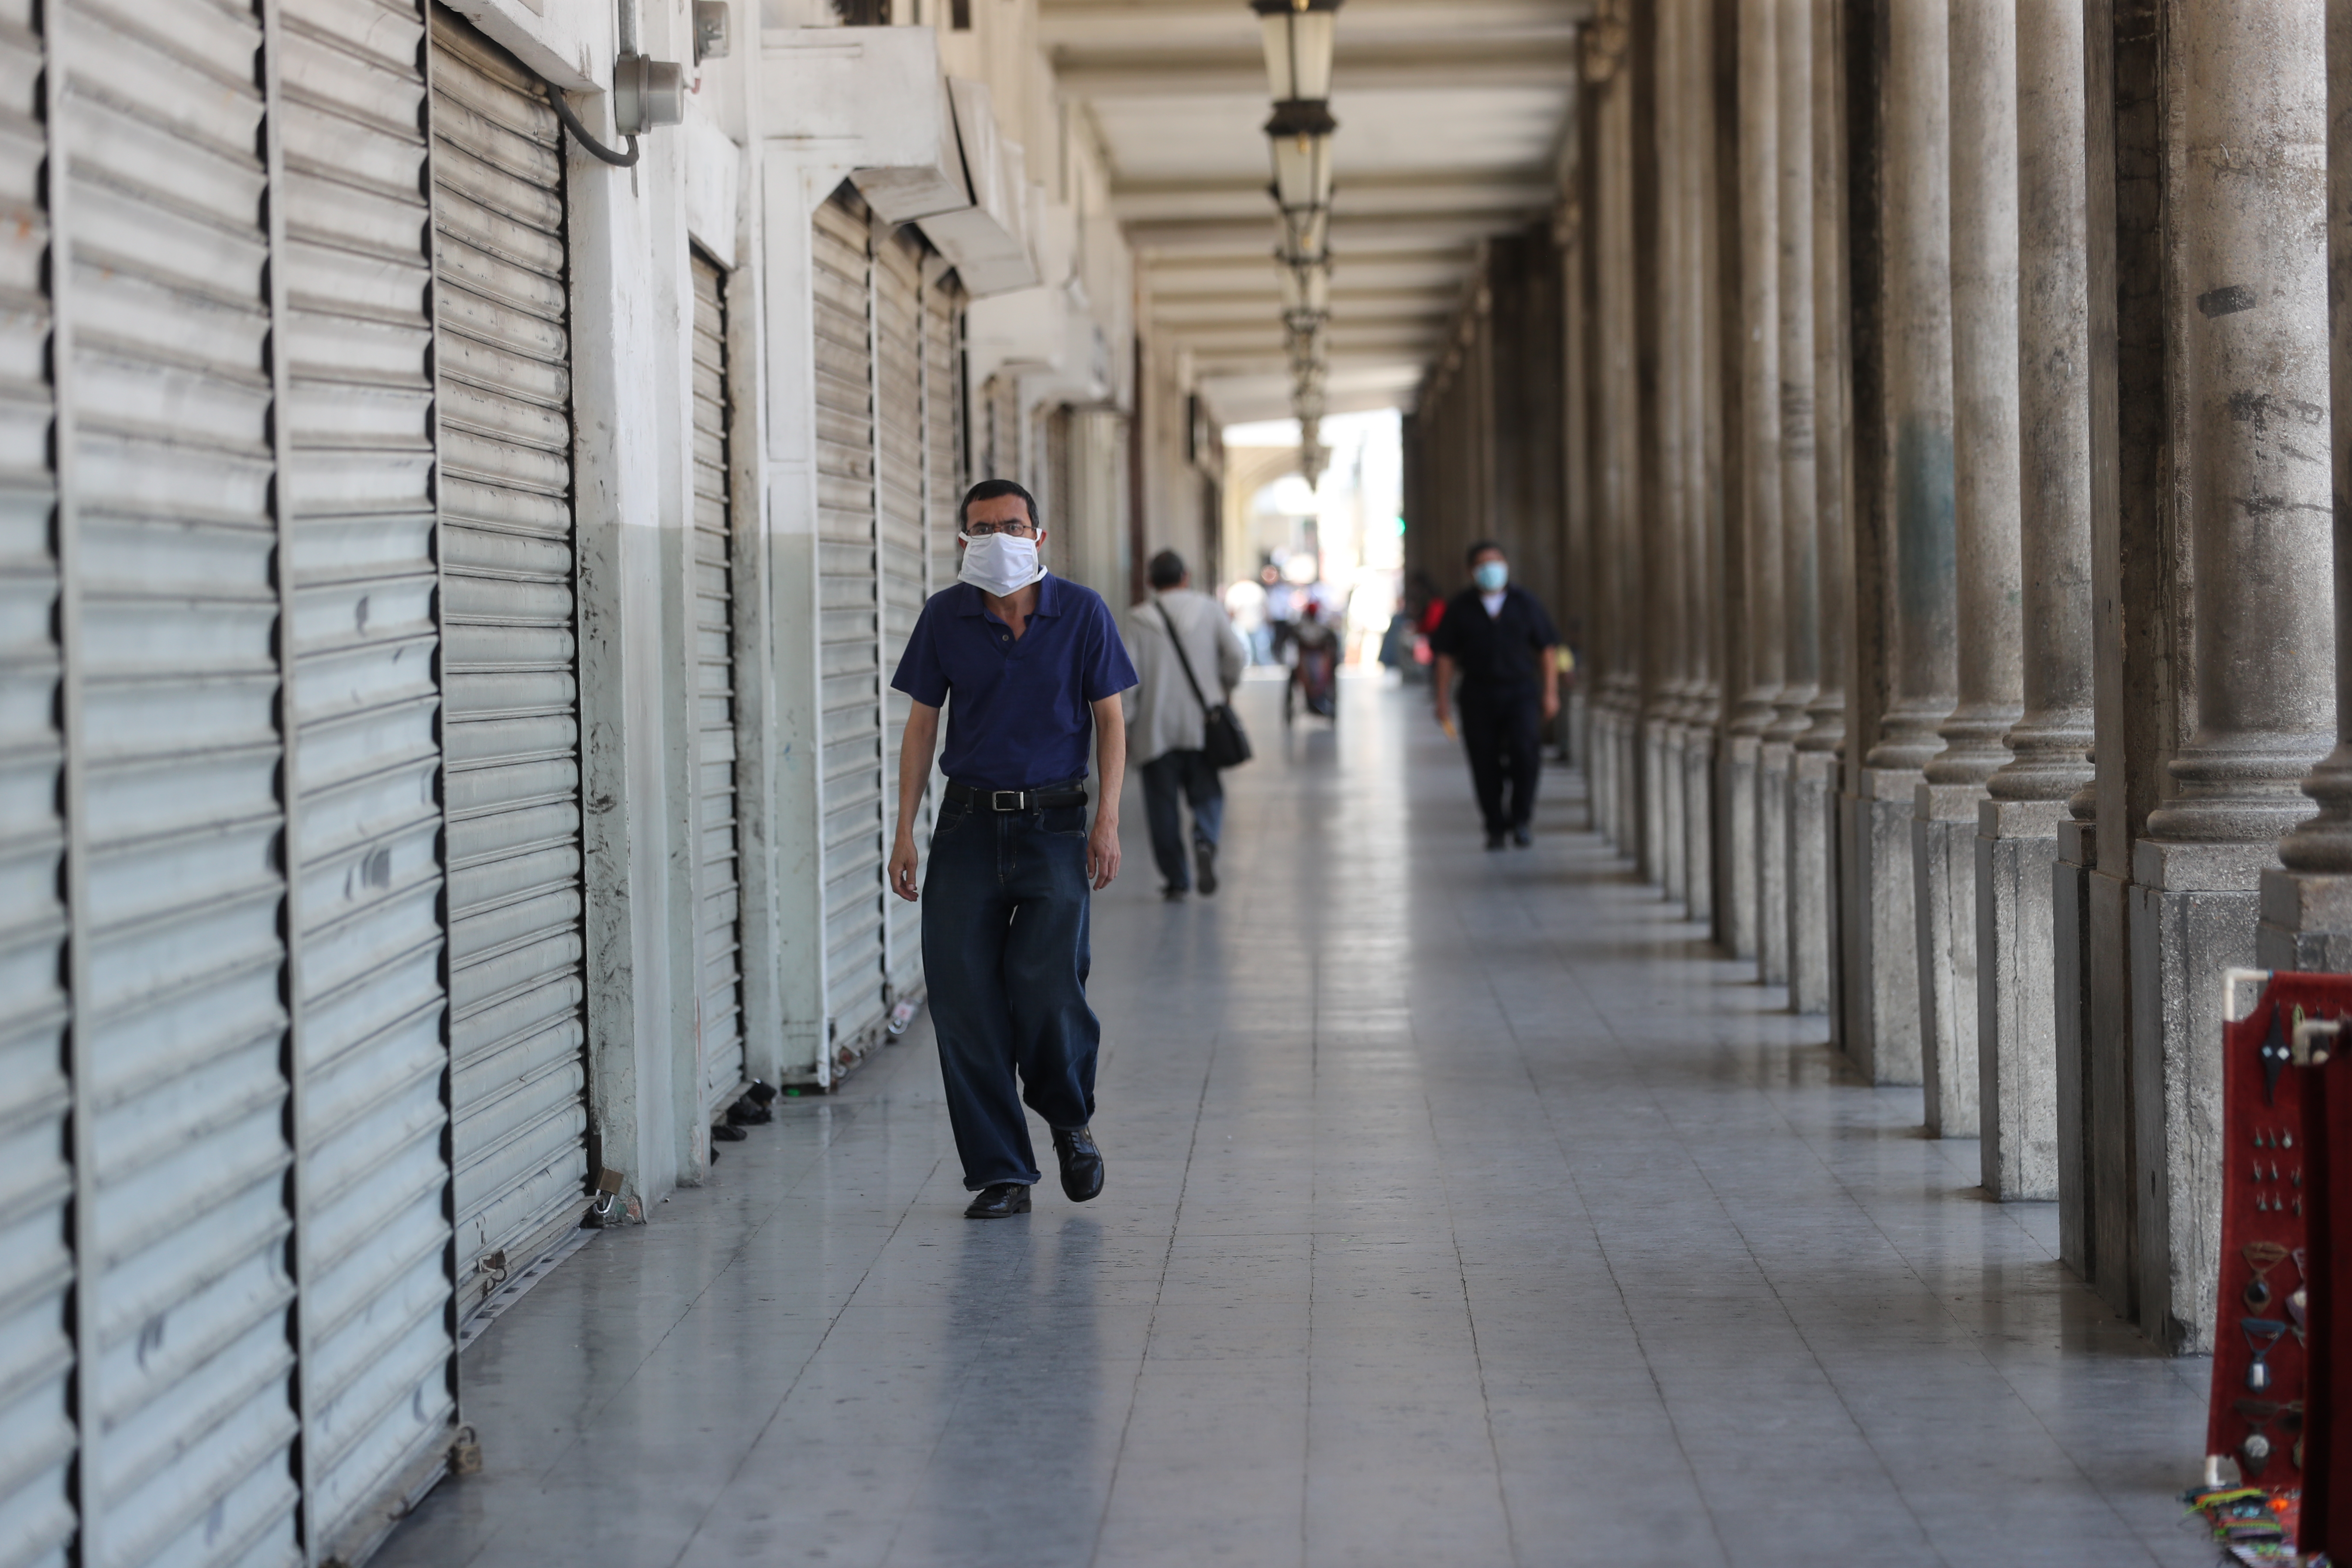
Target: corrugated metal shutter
[
  {"x": 37, "y": 1432},
  {"x": 187, "y": 1410},
  {"x": 378, "y": 1347},
  {"x": 850, "y": 624},
  {"x": 899, "y": 484},
  {"x": 719, "y": 923},
  {"x": 943, "y": 414},
  {"x": 516, "y": 983}
]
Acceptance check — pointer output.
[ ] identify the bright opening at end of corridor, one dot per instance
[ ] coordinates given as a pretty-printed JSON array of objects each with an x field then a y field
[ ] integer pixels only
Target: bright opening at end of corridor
[{"x": 1461, "y": 1209}]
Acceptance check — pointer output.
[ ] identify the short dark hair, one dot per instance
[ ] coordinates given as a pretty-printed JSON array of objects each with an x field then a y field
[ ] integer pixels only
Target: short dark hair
[
  {"x": 1166, "y": 569},
  {"x": 1470, "y": 556},
  {"x": 991, "y": 489}
]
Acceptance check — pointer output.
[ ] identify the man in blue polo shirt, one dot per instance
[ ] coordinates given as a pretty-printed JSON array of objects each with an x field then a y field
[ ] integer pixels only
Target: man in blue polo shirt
[{"x": 1034, "y": 664}]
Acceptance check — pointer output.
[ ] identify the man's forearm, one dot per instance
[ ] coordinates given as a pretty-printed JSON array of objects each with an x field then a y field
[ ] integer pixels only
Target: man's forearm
[
  {"x": 1111, "y": 762},
  {"x": 917, "y": 746}
]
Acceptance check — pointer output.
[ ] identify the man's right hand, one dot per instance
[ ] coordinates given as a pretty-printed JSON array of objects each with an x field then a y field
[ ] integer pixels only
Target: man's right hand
[{"x": 903, "y": 865}]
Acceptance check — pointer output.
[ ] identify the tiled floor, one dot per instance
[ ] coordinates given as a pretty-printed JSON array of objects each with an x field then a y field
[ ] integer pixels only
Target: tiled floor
[{"x": 1463, "y": 1211}]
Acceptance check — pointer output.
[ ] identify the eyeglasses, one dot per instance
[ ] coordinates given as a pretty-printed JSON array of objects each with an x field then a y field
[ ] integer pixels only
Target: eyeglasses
[{"x": 1017, "y": 530}]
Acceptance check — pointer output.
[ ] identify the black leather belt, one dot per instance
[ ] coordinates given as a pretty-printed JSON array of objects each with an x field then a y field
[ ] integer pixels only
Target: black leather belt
[{"x": 1046, "y": 797}]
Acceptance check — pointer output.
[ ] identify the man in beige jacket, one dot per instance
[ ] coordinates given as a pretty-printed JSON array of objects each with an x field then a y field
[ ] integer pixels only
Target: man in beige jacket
[{"x": 1166, "y": 724}]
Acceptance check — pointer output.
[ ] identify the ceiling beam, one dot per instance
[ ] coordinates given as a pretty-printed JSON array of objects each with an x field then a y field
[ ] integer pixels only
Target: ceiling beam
[
  {"x": 1084, "y": 24},
  {"x": 1349, "y": 232},
  {"x": 1449, "y": 63},
  {"x": 1458, "y": 191}
]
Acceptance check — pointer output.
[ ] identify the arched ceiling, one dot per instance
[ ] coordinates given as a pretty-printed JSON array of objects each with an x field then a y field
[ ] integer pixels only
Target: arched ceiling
[{"x": 1450, "y": 119}]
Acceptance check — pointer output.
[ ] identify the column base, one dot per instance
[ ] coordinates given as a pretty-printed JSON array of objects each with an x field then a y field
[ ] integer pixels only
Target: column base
[
  {"x": 2306, "y": 923},
  {"x": 2017, "y": 1048},
  {"x": 1773, "y": 764},
  {"x": 1652, "y": 836},
  {"x": 1879, "y": 964},
  {"x": 2069, "y": 993},
  {"x": 1698, "y": 822},
  {"x": 1674, "y": 873},
  {"x": 1735, "y": 914},
  {"x": 1813, "y": 808},
  {"x": 1943, "y": 868},
  {"x": 2194, "y": 908}
]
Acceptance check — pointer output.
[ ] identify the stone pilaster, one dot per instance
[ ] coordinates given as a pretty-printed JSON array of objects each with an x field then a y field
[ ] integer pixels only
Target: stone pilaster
[
  {"x": 2023, "y": 941},
  {"x": 1701, "y": 460},
  {"x": 2253, "y": 386},
  {"x": 2071, "y": 1035}
]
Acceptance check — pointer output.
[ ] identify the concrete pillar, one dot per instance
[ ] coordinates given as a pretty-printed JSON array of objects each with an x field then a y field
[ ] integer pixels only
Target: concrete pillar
[
  {"x": 1651, "y": 81},
  {"x": 1670, "y": 515},
  {"x": 1985, "y": 550},
  {"x": 1759, "y": 475},
  {"x": 2017, "y": 826},
  {"x": 2252, "y": 383},
  {"x": 1799, "y": 593},
  {"x": 2307, "y": 906},
  {"x": 1607, "y": 78},
  {"x": 1913, "y": 608},
  {"x": 1702, "y": 456},
  {"x": 1813, "y": 784}
]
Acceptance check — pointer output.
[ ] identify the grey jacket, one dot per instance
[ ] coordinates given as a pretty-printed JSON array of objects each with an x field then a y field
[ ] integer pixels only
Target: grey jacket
[{"x": 1161, "y": 713}]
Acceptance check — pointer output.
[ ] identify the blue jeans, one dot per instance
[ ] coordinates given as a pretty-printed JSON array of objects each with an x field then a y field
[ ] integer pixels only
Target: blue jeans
[{"x": 1005, "y": 955}]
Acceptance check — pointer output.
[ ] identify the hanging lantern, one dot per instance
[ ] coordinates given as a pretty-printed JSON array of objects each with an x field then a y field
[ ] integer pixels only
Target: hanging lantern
[
  {"x": 1299, "y": 37},
  {"x": 1300, "y": 132}
]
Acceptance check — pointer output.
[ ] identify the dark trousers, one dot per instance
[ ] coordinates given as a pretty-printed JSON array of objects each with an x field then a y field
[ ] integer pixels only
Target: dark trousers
[
  {"x": 1500, "y": 730},
  {"x": 1005, "y": 954},
  {"x": 1189, "y": 774}
]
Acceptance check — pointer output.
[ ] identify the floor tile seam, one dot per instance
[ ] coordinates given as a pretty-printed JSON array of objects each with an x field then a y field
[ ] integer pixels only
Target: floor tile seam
[
  {"x": 1152, "y": 1325},
  {"x": 1829, "y": 1378},
  {"x": 1592, "y": 1229},
  {"x": 800, "y": 1373},
  {"x": 1477, "y": 1356}
]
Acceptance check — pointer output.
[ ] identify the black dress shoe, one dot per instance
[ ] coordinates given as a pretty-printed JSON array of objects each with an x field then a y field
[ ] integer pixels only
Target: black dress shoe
[
  {"x": 1004, "y": 1199},
  {"x": 1521, "y": 836},
  {"x": 1082, "y": 1162},
  {"x": 1204, "y": 860},
  {"x": 1174, "y": 895},
  {"x": 1493, "y": 841}
]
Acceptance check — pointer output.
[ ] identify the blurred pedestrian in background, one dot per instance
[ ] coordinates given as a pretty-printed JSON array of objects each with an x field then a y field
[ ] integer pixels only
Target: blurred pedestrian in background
[
  {"x": 1167, "y": 718},
  {"x": 1500, "y": 640}
]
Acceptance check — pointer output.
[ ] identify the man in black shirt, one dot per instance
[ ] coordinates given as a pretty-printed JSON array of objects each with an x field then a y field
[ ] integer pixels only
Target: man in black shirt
[{"x": 1500, "y": 642}]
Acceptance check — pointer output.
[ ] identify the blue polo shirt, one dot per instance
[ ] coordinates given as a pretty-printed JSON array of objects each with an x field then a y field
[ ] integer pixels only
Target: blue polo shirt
[{"x": 1022, "y": 715}]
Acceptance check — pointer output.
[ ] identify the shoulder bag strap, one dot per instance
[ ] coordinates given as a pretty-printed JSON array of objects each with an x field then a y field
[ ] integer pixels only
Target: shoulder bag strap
[{"x": 1190, "y": 678}]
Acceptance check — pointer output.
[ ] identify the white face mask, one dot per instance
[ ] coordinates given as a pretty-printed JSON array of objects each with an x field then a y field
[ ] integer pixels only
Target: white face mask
[{"x": 1000, "y": 564}]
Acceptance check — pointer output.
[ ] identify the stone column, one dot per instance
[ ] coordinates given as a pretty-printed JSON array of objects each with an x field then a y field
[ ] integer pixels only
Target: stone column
[
  {"x": 1812, "y": 786},
  {"x": 1985, "y": 542},
  {"x": 1759, "y": 474},
  {"x": 2307, "y": 906},
  {"x": 2017, "y": 827},
  {"x": 1653, "y": 110},
  {"x": 1918, "y": 608},
  {"x": 1701, "y": 459},
  {"x": 2253, "y": 385},
  {"x": 1671, "y": 515},
  {"x": 1607, "y": 78},
  {"x": 1800, "y": 595}
]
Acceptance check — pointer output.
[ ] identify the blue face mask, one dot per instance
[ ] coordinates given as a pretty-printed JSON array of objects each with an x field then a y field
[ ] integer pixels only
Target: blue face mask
[{"x": 1491, "y": 575}]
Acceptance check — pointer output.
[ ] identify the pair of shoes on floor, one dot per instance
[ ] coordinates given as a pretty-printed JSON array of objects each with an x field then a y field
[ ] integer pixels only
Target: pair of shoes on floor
[
  {"x": 1205, "y": 859},
  {"x": 1082, "y": 1177}
]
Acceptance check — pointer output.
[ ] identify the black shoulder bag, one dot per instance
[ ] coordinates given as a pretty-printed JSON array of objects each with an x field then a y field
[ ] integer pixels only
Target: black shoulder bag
[{"x": 1224, "y": 744}]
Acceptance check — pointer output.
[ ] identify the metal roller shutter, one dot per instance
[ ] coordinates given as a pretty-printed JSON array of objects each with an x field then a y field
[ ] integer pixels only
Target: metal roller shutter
[
  {"x": 849, "y": 625},
  {"x": 187, "y": 1408},
  {"x": 512, "y": 729},
  {"x": 718, "y": 920},
  {"x": 903, "y": 562},
  {"x": 377, "y": 1343},
  {"x": 943, "y": 414},
  {"x": 37, "y": 1432}
]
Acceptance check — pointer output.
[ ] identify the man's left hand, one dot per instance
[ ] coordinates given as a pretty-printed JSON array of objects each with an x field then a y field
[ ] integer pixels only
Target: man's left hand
[
  {"x": 1102, "y": 851},
  {"x": 1551, "y": 702}
]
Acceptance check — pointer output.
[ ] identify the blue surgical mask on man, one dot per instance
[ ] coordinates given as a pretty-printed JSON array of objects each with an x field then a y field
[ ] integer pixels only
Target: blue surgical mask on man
[{"x": 1492, "y": 576}]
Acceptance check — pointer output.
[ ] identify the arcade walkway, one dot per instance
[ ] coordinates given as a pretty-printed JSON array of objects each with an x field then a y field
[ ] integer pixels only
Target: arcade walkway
[{"x": 1461, "y": 1212}]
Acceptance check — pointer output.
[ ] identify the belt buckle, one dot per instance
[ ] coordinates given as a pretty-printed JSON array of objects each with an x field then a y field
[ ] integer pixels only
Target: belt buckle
[{"x": 998, "y": 799}]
